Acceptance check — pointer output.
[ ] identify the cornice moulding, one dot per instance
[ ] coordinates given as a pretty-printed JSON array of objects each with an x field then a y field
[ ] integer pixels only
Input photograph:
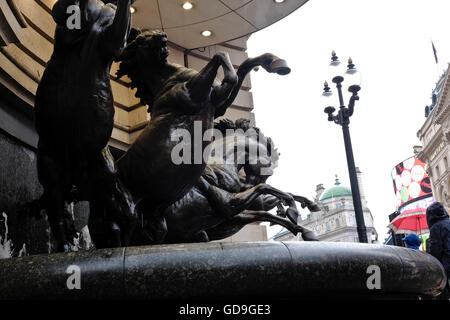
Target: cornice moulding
[{"x": 11, "y": 22}]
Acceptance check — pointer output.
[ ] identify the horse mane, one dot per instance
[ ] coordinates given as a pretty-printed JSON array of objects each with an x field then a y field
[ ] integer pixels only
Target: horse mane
[
  {"x": 129, "y": 62},
  {"x": 225, "y": 124}
]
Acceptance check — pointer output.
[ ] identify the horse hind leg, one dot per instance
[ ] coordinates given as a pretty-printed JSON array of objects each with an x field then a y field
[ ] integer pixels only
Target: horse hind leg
[
  {"x": 51, "y": 177},
  {"x": 152, "y": 228}
]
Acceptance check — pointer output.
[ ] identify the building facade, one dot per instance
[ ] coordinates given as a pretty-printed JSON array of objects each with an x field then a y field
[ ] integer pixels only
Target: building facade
[
  {"x": 435, "y": 137},
  {"x": 26, "y": 44},
  {"x": 24, "y": 57},
  {"x": 336, "y": 220}
]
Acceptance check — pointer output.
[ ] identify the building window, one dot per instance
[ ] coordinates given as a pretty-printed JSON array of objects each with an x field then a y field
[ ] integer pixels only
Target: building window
[
  {"x": 437, "y": 172},
  {"x": 328, "y": 226},
  {"x": 338, "y": 224},
  {"x": 446, "y": 162}
]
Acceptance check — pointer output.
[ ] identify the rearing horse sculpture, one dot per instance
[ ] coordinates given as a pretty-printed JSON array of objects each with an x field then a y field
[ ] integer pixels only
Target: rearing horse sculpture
[
  {"x": 177, "y": 97},
  {"x": 75, "y": 112},
  {"x": 232, "y": 193}
]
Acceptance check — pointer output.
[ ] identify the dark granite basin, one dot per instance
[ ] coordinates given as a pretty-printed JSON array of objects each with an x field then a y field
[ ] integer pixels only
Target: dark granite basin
[{"x": 293, "y": 270}]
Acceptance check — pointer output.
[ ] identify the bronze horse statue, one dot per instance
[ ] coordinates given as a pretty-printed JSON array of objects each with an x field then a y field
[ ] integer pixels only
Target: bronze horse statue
[
  {"x": 178, "y": 98},
  {"x": 74, "y": 111},
  {"x": 231, "y": 194}
]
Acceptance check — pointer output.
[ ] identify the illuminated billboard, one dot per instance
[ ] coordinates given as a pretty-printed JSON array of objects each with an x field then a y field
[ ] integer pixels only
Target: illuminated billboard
[
  {"x": 411, "y": 182},
  {"x": 416, "y": 206}
]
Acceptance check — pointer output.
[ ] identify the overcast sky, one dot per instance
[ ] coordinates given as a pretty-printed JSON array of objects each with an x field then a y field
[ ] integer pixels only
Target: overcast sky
[{"x": 390, "y": 42}]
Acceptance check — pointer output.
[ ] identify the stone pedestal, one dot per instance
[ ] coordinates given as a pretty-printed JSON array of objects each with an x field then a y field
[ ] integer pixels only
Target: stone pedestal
[{"x": 215, "y": 271}]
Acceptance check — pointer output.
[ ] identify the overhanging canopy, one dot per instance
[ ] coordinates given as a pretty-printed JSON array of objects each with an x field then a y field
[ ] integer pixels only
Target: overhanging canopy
[{"x": 226, "y": 19}]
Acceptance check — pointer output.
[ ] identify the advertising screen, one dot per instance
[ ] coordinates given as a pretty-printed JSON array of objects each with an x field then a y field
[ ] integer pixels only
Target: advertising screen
[{"x": 411, "y": 182}]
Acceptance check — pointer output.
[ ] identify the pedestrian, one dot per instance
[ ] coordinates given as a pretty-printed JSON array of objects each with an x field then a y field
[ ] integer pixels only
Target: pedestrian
[
  {"x": 439, "y": 225},
  {"x": 412, "y": 241}
]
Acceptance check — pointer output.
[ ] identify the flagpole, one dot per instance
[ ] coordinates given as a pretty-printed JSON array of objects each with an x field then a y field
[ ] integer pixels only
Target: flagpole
[{"x": 435, "y": 59}]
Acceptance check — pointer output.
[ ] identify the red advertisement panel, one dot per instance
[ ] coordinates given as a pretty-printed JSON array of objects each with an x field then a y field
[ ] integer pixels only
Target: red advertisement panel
[{"x": 411, "y": 182}]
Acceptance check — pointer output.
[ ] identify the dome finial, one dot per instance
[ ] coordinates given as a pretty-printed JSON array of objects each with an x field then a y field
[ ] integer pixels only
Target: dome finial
[{"x": 337, "y": 182}]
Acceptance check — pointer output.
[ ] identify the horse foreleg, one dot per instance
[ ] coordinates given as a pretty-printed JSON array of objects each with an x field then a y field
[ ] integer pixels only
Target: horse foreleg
[
  {"x": 229, "y": 204},
  {"x": 268, "y": 202},
  {"x": 291, "y": 212},
  {"x": 116, "y": 34},
  {"x": 236, "y": 223},
  {"x": 229, "y": 82},
  {"x": 268, "y": 61},
  {"x": 264, "y": 202},
  {"x": 305, "y": 202},
  {"x": 200, "y": 85},
  {"x": 307, "y": 235}
]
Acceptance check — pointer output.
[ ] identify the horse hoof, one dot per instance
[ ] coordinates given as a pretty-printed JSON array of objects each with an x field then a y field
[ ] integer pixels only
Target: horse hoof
[
  {"x": 280, "y": 67},
  {"x": 65, "y": 248},
  {"x": 309, "y": 236}
]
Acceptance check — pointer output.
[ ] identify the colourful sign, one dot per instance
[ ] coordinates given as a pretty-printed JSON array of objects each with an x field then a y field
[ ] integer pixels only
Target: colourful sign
[{"x": 411, "y": 182}]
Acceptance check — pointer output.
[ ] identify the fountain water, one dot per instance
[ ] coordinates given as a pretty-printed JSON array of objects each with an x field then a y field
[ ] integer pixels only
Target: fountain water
[{"x": 5, "y": 243}]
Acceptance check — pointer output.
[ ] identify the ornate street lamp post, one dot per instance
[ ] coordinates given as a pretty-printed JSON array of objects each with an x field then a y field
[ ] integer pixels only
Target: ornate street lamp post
[{"x": 343, "y": 119}]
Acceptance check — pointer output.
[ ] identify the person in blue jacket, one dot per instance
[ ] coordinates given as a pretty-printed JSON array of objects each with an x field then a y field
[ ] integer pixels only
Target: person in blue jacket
[{"x": 439, "y": 225}]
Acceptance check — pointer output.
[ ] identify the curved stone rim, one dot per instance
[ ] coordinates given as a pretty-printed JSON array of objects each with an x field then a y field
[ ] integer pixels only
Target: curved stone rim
[{"x": 225, "y": 270}]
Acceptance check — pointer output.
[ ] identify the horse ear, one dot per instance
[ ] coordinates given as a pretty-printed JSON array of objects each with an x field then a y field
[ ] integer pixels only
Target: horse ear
[{"x": 134, "y": 33}]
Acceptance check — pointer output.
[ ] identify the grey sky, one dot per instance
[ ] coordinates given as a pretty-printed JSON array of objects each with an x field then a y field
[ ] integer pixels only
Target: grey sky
[{"x": 390, "y": 42}]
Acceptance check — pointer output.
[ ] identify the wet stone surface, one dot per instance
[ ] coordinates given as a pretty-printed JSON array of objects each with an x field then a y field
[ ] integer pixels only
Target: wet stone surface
[
  {"x": 226, "y": 270},
  {"x": 18, "y": 185}
]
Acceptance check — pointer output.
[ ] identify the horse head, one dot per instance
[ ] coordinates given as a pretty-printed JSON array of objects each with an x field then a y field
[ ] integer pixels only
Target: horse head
[
  {"x": 261, "y": 158},
  {"x": 244, "y": 147},
  {"x": 143, "y": 61}
]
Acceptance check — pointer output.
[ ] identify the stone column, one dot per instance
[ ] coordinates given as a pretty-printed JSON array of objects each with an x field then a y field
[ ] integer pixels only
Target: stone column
[
  {"x": 319, "y": 191},
  {"x": 361, "y": 189}
]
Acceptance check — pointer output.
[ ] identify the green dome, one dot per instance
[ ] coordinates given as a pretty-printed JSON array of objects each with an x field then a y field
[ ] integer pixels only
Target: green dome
[{"x": 337, "y": 191}]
